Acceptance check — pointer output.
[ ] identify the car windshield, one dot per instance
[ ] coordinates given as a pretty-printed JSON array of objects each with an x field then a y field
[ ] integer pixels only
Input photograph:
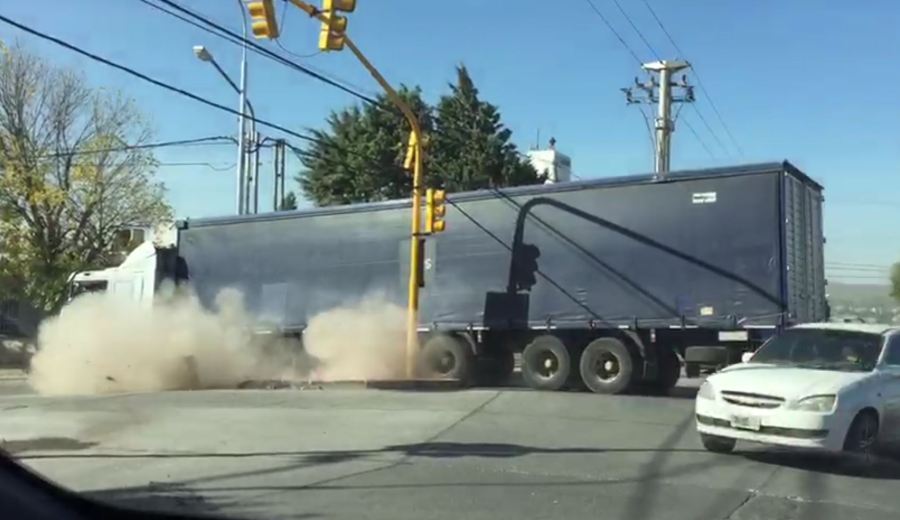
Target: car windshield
[{"x": 822, "y": 349}]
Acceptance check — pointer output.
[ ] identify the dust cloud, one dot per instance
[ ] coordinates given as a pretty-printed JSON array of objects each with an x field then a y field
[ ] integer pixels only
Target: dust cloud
[
  {"x": 366, "y": 340},
  {"x": 104, "y": 344}
]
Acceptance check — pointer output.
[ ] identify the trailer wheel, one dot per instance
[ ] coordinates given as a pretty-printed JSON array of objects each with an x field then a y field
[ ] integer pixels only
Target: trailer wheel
[
  {"x": 546, "y": 364},
  {"x": 447, "y": 357},
  {"x": 607, "y": 366}
]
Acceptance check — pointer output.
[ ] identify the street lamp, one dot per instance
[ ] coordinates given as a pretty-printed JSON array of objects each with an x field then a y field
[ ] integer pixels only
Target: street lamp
[{"x": 203, "y": 54}]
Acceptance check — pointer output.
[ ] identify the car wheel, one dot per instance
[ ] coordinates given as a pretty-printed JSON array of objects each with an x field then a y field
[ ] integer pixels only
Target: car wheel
[
  {"x": 717, "y": 444},
  {"x": 546, "y": 363},
  {"x": 607, "y": 366},
  {"x": 862, "y": 435}
]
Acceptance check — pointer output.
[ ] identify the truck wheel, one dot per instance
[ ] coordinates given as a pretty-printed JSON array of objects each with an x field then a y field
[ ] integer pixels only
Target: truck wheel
[
  {"x": 717, "y": 444},
  {"x": 691, "y": 369},
  {"x": 447, "y": 357},
  {"x": 495, "y": 366},
  {"x": 607, "y": 366},
  {"x": 546, "y": 363},
  {"x": 669, "y": 371}
]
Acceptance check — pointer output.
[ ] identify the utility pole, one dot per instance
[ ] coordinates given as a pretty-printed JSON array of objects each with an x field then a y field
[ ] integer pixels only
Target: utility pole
[
  {"x": 661, "y": 92},
  {"x": 278, "y": 163},
  {"x": 242, "y": 121}
]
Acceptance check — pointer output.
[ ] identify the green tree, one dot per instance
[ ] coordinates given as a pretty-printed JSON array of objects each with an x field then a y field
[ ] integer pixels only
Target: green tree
[
  {"x": 471, "y": 148},
  {"x": 359, "y": 158},
  {"x": 68, "y": 184},
  {"x": 895, "y": 281},
  {"x": 289, "y": 203}
]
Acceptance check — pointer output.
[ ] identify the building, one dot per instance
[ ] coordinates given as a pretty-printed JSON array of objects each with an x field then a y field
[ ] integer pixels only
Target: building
[{"x": 555, "y": 166}]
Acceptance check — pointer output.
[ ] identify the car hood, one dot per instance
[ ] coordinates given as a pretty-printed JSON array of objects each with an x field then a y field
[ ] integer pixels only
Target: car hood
[{"x": 783, "y": 381}]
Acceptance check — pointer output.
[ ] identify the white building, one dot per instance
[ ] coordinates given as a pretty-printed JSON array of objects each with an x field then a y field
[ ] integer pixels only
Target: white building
[{"x": 550, "y": 162}]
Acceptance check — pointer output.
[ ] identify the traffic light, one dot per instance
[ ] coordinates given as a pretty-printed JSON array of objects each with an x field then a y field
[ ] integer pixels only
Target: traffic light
[
  {"x": 435, "y": 210},
  {"x": 264, "y": 25},
  {"x": 331, "y": 37}
]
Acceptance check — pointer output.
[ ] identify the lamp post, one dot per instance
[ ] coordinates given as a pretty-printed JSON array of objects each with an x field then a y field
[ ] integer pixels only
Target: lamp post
[{"x": 203, "y": 54}]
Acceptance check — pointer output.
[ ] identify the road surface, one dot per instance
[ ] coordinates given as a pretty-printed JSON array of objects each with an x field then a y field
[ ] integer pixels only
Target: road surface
[{"x": 477, "y": 453}]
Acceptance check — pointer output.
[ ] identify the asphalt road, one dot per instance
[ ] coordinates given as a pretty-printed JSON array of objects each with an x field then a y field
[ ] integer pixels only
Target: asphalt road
[{"x": 478, "y": 453}]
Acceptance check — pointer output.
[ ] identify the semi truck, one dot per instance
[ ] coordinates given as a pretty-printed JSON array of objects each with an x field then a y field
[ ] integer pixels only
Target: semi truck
[{"x": 608, "y": 284}]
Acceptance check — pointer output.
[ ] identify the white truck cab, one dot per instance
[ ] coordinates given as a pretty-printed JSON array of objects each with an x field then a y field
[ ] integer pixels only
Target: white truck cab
[{"x": 134, "y": 279}]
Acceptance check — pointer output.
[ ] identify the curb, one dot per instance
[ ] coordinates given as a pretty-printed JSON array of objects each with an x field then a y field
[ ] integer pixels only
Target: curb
[
  {"x": 13, "y": 374},
  {"x": 396, "y": 384}
]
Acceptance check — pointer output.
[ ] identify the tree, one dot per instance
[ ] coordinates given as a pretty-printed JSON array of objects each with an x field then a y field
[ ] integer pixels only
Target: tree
[
  {"x": 359, "y": 158},
  {"x": 69, "y": 183},
  {"x": 471, "y": 147},
  {"x": 895, "y": 281},
  {"x": 289, "y": 203}
]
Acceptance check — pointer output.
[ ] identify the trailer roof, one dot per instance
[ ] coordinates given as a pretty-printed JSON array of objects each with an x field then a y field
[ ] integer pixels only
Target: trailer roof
[{"x": 675, "y": 176}]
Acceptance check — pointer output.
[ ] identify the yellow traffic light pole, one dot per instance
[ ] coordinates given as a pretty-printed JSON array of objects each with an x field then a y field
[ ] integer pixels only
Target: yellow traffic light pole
[{"x": 414, "y": 159}]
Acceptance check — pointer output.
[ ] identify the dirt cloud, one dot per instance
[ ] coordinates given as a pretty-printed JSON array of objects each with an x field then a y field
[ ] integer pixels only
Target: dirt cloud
[{"x": 103, "y": 344}]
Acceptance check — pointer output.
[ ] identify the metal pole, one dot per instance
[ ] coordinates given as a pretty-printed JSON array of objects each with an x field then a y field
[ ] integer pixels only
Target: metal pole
[
  {"x": 415, "y": 160},
  {"x": 277, "y": 153},
  {"x": 663, "y": 128},
  {"x": 664, "y": 125},
  {"x": 413, "y": 153},
  {"x": 257, "y": 141},
  {"x": 283, "y": 174},
  {"x": 242, "y": 136}
]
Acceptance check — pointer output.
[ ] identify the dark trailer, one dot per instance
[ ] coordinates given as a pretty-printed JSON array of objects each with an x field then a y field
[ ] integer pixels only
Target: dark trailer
[{"x": 605, "y": 280}]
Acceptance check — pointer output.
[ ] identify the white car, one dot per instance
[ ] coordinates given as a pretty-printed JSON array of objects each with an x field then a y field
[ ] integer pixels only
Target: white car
[{"x": 827, "y": 386}]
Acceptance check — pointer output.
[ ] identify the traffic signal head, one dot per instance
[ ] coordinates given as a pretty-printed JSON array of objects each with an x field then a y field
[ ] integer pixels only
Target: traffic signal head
[
  {"x": 264, "y": 25},
  {"x": 334, "y": 27},
  {"x": 435, "y": 210}
]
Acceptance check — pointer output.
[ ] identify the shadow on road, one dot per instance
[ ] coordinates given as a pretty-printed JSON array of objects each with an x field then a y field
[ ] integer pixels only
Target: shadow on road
[
  {"x": 18, "y": 447},
  {"x": 877, "y": 467},
  {"x": 422, "y": 449}
]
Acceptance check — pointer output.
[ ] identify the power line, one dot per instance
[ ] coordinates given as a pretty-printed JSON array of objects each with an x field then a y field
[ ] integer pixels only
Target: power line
[
  {"x": 235, "y": 39},
  {"x": 709, "y": 128},
  {"x": 281, "y": 24},
  {"x": 699, "y": 81},
  {"x": 267, "y": 53},
  {"x": 615, "y": 33},
  {"x": 860, "y": 277},
  {"x": 641, "y": 63},
  {"x": 638, "y": 31},
  {"x": 206, "y": 164},
  {"x": 201, "y": 141},
  {"x": 148, "y": 79},
  {"x": 702, "y": 142},
  {"x": 852, "y": 264}
]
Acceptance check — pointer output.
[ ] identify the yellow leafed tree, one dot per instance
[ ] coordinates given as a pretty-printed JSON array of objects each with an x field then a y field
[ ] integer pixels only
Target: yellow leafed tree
[{"x": 70, "y": 178}]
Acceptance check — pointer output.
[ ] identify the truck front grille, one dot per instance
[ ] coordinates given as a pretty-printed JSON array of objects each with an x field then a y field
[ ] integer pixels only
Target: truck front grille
[{"x": 752, "y": 400}]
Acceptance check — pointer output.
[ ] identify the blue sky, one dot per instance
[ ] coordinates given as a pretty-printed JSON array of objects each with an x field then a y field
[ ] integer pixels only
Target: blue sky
[{"x": 808, "y": 81}]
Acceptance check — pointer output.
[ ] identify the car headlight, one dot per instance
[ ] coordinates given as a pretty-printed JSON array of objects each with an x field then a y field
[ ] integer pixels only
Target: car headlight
[
  {"x": 816, "y": 403},
  {"x": 706, "y": 391}
]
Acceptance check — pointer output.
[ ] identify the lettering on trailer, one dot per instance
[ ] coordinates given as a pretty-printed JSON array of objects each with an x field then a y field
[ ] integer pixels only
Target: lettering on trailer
[{"x": 704, "y": 197}]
